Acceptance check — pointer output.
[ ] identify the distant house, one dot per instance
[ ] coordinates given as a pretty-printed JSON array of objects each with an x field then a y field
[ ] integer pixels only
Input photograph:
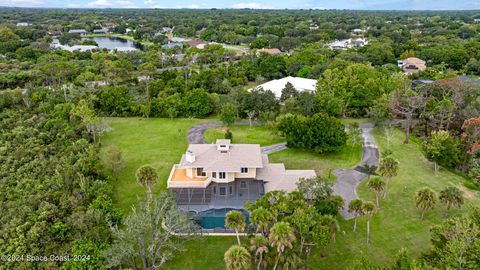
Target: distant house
[
  {"x": 125, "y": 49},
  {"x": 100, "y": 31},
  {"x": 357, "y": 31},
  {"x": 300, "y": 84},
  {"x": 313, "y": 26},
  {"x": 172, "y": 45},
  {"x": 412, "y": 65},
  {"x": 360, "y": 42},
  {"x": 179, "y": 39},
  {"x": 197, "y": 43},
  {"x": 228, "y": 175},
  {"x": 23, "y": 24},
  {"x": 80, "y": 48},
  {"x": 476, "y": 20},
  {"x": 271, "y": 51},
  {"x": 78, "y": 31},
  {"x": 348, "y": 43}
]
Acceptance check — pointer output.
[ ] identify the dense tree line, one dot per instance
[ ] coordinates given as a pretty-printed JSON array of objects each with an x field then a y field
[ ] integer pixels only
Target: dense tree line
[{"x": 53, "y": 199}]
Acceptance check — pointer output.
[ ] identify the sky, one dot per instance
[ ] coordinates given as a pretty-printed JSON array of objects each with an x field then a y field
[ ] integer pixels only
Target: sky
[{"x": 254, "y": 4}]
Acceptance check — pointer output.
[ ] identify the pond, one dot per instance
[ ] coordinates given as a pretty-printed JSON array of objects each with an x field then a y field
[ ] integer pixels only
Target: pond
[
  {"x": 109, "y": 42},
  {"x": 215, "y": 218}
]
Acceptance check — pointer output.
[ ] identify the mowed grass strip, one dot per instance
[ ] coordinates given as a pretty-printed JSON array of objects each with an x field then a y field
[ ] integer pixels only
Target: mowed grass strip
[{"x": 244, "y": 134}]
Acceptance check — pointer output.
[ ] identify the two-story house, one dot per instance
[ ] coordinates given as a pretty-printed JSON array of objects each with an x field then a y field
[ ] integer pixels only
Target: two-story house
[{"x": 225, "y": 175}]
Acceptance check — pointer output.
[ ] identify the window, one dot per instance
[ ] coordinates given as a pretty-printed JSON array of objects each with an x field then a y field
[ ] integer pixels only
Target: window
[
  {"x": 223, "y": 191},
  {"x": 244, "y": 170},
  {"x": 230, "y": 190},
  {"x": 222, "y": 175},
  {"x": 214, "y": 174},
  {"x": 243, "y": 184},
  {"x": 214, "y": 190},
  {"x": 200, "y": 172}
]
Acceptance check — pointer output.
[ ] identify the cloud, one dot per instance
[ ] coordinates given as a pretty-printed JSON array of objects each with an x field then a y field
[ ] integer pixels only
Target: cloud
[
  {"x": 111, "y": 4},
  {"x": 193, "y": 6},
  {"x": 252, "y": 5},
  {"x": 23, "y": 3},
  {"x": 152, "y": 4}
]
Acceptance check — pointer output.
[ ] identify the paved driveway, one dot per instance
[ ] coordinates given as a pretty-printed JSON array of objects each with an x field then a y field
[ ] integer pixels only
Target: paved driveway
[{"x": 348, "y": 179}]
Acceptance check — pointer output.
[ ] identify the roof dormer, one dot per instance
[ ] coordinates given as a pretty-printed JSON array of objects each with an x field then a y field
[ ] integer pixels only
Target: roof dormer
[{"x": 223, "y": 145}]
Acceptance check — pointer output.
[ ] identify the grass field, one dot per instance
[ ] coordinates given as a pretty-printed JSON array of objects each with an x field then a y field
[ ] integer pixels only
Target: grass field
[
  {"x": 160, "y": 142},
  {"x": 154, "y": 141},
  {"x": 244, "y": 134}
]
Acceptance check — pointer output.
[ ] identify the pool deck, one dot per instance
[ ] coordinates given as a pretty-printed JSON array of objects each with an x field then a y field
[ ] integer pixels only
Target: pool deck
[{"x": 217, "y": 204}]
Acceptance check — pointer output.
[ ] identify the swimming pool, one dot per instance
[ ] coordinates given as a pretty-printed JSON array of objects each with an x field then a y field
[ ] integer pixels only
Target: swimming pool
[{"x": 215, "y": 218}]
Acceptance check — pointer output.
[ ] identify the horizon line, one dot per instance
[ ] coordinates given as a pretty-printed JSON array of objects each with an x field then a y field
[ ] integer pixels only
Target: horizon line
[{"x": 214, "y": 8}]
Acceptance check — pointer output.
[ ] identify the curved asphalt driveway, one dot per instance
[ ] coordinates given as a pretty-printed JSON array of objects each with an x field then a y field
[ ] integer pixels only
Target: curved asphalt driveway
[
  {"x": 348, "y": 179},
  {"x": 195, "y": 136}
]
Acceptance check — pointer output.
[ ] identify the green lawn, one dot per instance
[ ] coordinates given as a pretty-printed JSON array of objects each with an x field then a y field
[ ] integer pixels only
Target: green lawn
[
  {"x": 154, "y": 141},
  {"x": 323, "y": 164},
  {"x": 244, "y": 134},
  {"x": 397, "y": 224},
  {"x": 203, "y": 253}
]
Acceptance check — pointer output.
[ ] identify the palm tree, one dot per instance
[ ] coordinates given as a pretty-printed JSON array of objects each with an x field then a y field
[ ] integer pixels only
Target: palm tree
[
  {"x": 237, "y": 258},
  {"x": 281, "y": 237},
  {"x": 388, "y": 168},
  {"x": 377, "y": 185},
  {"x": 356, "y": 207},
  {"x": 235, "y": 220},
  {"x": 369, "y": 170},
  {"x": 368, "y": 209},
  {"x": 332, "y": 224},
  {"x": 263, "y": 219},
  {"x": 259, "y": 246},
  {"x": 451, "y": 196},
  {"x": 147, "y": 176},
  {"x": 425, "y": 199}
]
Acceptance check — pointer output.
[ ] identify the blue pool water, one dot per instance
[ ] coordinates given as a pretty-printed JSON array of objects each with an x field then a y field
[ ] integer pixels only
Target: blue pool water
[{"x": 215, "y": 218}]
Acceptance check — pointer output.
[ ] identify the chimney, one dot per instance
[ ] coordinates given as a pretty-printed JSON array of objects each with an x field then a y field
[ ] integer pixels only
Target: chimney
[{"x": 190, "y": 156}]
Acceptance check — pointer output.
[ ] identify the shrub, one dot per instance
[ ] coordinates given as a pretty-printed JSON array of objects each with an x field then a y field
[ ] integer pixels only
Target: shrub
[{"x": 320, "y": 132}]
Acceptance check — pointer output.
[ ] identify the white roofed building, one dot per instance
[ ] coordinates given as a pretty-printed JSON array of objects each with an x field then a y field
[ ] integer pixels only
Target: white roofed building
[{"x": 300, "y": 84}]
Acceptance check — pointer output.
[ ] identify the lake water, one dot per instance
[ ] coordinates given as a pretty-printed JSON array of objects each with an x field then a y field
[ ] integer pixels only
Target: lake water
[{"x": 114, "y": 42}]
